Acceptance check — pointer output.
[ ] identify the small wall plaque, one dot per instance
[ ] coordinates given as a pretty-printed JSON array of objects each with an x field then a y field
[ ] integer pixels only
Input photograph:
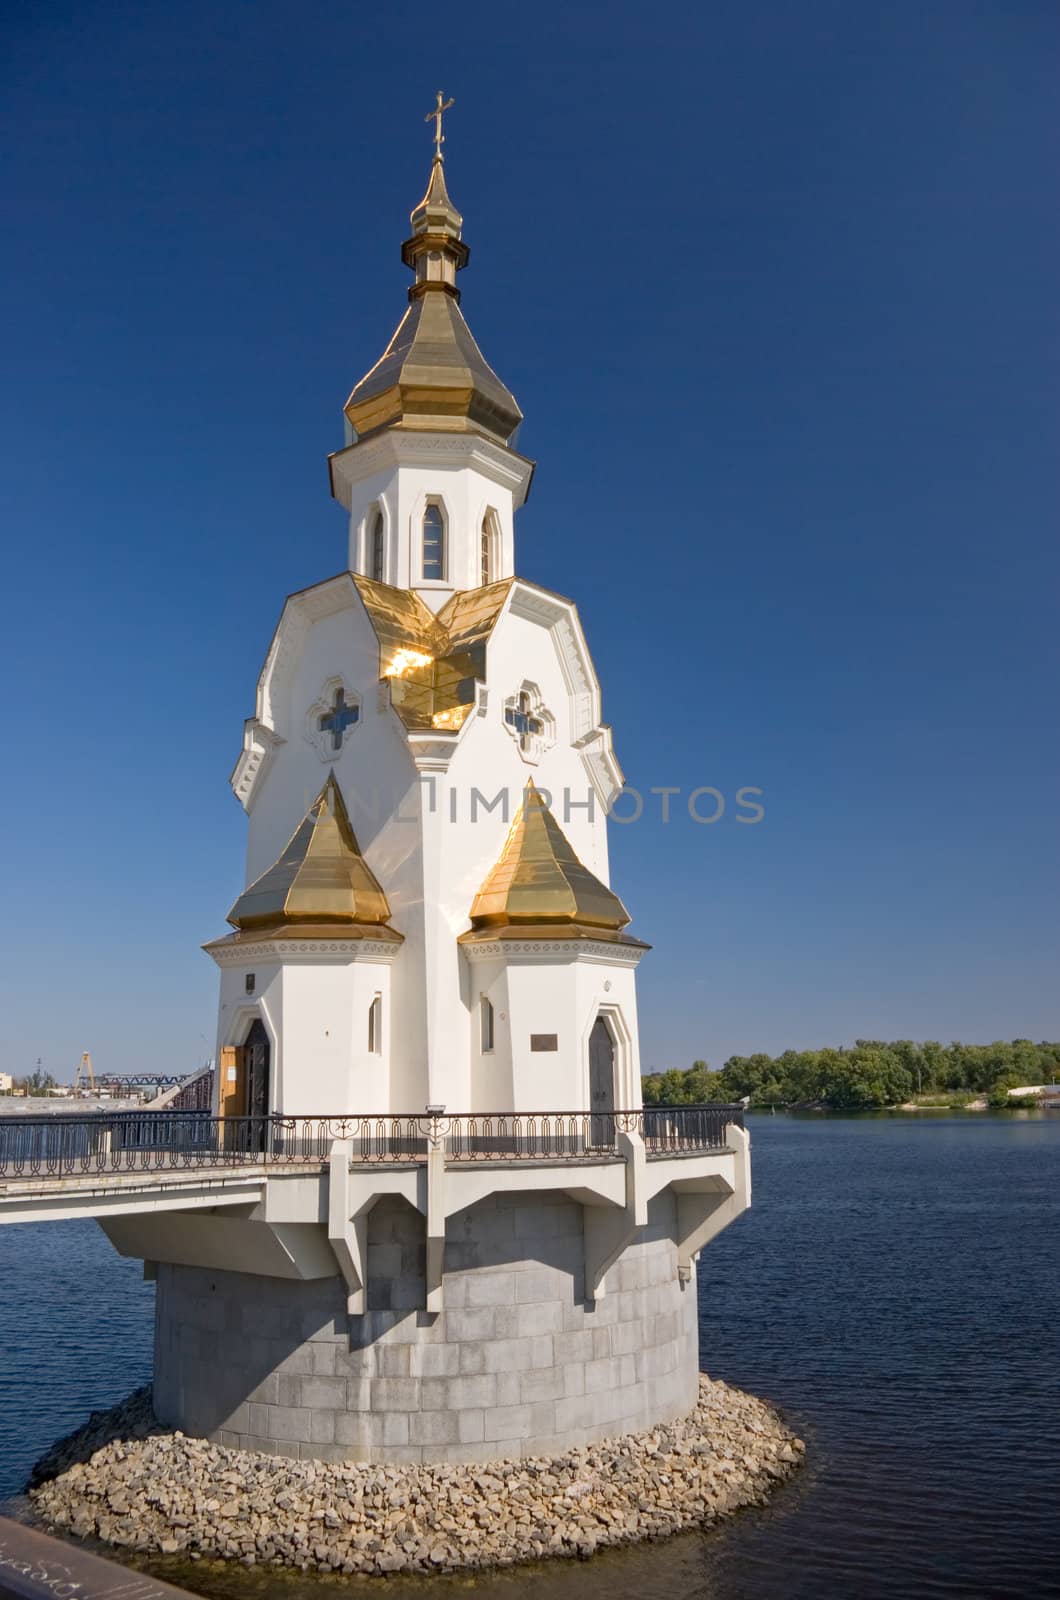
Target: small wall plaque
[{"x": 544, "y": 1041}]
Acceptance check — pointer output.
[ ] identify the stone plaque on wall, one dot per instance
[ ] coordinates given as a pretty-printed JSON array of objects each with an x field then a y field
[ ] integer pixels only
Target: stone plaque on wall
[{"x": 544, "y": 1041}]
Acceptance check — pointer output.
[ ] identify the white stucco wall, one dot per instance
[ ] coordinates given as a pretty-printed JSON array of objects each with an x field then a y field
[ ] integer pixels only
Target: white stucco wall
[
  {"x": 431, "y": 813},
  {"x": 398, "y": 472},
  {"x": 558, "y": 992},
  {"x": 315, "y": 1011}
]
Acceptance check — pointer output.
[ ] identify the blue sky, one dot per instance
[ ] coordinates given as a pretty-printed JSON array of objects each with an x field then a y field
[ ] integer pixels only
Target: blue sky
[{"x": 775, "y": 287}]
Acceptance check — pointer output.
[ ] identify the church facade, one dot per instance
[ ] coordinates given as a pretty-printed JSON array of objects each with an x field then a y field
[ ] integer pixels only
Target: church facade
[{"x": 429, "y": 975}]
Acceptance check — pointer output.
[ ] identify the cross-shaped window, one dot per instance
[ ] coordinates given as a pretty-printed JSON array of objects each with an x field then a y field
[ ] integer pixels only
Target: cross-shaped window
[
  {"x": 519, "y": 717},
  {"x": 339, "y": 718}
]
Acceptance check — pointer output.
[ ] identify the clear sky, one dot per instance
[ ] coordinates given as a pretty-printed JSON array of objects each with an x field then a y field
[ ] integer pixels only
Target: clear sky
[{"x": 775, "y": 285}]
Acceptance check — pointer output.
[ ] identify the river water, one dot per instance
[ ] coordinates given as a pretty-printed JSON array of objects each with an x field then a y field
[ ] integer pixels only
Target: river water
[{"x": 895, "y": 1290}]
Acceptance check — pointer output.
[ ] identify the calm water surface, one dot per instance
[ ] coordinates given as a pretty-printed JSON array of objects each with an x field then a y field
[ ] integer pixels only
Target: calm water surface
[{"x": 895, "y": 1290}]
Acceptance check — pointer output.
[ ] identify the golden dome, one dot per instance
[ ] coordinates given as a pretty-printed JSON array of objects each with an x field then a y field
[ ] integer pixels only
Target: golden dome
[
  {"x": 538, "y": 887},
  {"x": 432, "y": 374},
  {"x": 320, "y": 880}
]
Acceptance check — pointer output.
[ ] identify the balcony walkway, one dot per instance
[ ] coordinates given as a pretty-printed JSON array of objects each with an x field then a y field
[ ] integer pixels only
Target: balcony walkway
[{"x": 63, "y": 1165}]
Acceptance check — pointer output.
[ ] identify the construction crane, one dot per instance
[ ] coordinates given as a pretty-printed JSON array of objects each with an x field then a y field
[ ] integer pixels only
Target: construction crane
[{"x": 85, "y": 1079}]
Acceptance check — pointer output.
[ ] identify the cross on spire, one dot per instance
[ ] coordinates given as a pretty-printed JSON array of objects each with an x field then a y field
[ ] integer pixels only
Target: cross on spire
[
  {"x": 339, "y": 718},
  {"x": 441, "y": 107}
]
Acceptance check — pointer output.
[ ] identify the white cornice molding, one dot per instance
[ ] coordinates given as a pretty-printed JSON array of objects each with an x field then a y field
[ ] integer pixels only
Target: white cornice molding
[
  {"x": 592, "y": 738},
  {"x": 407, "y": 448},
  {"x": 267, "y": 727},
  {"x": 305, "y": 952},
  {"x": 554, "y": 952},
  {"x": 259, "y": 741}
]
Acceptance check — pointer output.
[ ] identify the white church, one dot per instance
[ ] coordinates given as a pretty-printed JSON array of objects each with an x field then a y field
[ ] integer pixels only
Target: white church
[
  {"x": 400, "y": 699},
  {"x": 460, "y": 1235}
]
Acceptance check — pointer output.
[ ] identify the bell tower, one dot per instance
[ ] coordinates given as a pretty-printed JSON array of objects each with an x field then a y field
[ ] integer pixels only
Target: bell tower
[{"x": 429, "y": 475}]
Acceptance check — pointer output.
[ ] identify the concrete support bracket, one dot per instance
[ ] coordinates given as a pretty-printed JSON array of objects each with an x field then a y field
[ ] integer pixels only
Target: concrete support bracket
[
  {"x": 347, "y": 1235},
  {"x": 631, "y": 1149},
  {"x": 706, "y": 1207},
  {"x": 609, "y": 1229},
  {"x": 435, "y": 1226}
]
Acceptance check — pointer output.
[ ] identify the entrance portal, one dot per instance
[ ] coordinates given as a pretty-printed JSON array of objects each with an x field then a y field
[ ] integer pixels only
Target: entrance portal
[
  {"x": 256, "y": 1057},
  {"x": 601, "y": 1084}
]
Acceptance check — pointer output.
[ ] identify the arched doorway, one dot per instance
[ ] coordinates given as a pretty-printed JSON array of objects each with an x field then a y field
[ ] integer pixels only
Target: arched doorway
[
  {"x": 257, "y": 1053},
  {"x": 601, "y": 1084}
]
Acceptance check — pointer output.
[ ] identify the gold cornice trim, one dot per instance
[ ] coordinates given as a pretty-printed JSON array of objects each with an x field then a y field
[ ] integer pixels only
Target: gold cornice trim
[
  {"x": 418, "y": 290},
  {"x": 560, "y": 932},
  {"x": 338, "y": 933}
]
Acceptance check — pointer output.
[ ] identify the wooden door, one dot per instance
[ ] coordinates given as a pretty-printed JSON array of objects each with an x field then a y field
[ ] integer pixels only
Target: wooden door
[
  {"x": 601, "y": 1084},
  {"x": 233, "y": 1084}
]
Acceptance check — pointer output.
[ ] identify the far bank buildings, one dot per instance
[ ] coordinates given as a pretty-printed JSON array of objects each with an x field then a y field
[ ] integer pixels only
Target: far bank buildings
[{"x": 442, "y": 1226}]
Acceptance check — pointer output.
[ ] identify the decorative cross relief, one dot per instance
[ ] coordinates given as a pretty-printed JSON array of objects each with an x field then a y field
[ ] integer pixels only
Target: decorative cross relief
[
  {"x": 518, "y": 716},
  {"x": 328, "y": 718},
  {"x": 339, "y": 718},
  {"x": 530, "y": 725}
]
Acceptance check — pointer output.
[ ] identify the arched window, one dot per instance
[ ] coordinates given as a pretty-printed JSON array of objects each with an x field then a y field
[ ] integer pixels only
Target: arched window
[
  {"x": 486, "y": 543},
  {"x": 376, "y": 548},
  {"x": 375, "y": 1026},
  {"x": 486, "y": 1020},
  {"x": 434, "y": 541}
]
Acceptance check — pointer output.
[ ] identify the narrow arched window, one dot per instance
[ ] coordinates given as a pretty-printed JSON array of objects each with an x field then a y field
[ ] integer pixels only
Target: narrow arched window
[
  {"x": 376, "y": 548},
  {"x": 486, "y": 563},
  {"x": 486, "y": 1021},
  {"x": 433, "y": 541},
  {"x": 375, "y": 1026}
]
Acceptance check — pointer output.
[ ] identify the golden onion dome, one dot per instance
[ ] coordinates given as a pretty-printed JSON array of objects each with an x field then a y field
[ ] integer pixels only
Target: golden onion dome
[
  {"x": 320, "y": 879},
  {"x": 539, "y": 883},
  {"x": 432, "y": 374}
]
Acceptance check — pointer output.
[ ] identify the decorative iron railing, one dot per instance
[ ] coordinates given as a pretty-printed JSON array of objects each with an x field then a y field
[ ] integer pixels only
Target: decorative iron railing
[{"x": 62, "y": 1145}]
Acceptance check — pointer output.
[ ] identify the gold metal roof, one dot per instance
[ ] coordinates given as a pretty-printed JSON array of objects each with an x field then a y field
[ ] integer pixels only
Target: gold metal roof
[
  {"x": 321, "y": 877},
  {"x": 432, "y": 374},
  {"x": 539, "y": 886},
  {"x": 432, "y": 662}
]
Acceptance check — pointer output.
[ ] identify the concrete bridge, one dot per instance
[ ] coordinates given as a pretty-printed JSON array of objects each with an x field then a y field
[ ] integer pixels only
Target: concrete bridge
[
  {"x": 154, "y": 1178},
  {"x": 288, "y": 1248}
]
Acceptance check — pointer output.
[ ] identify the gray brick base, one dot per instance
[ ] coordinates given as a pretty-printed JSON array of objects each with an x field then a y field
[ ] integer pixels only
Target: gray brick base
[{"x": 518, "y": 1363}]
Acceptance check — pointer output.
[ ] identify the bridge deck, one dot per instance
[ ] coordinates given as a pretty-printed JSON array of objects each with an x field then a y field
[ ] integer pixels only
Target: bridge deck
[{"x": 109, "y": 1164}]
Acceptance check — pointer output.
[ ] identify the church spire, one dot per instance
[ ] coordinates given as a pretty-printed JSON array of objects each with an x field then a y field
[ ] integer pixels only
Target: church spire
[
  {"x": 435, "y": 252},
  {"x": 432, "y": 375}
]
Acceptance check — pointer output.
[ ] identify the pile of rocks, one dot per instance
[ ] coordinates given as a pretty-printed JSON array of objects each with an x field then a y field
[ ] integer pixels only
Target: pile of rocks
[
  {"x": 155, "y": 1491},
  {"x": 132, "y": 1419}
]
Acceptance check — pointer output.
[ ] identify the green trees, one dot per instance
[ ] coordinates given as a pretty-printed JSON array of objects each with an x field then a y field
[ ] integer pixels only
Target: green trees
[
  {"x": 38, "y": 1083},
  {"x": 873, "y": 1073},
  {"x": 691, "y": 1088}
]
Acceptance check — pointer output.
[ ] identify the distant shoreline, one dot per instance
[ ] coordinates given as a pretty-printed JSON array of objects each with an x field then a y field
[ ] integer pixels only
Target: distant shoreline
[{"x": 908, "y": 1108}]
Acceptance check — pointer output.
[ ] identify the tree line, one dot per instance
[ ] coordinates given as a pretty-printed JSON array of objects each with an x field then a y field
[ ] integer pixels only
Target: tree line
[
  {"x": 871, "y": 1073},
  {"x": 34, "y": 1083}
]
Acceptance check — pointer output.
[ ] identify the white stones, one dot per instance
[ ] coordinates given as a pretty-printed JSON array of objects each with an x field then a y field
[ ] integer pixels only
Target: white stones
[{"x": 144, "y": 1489}]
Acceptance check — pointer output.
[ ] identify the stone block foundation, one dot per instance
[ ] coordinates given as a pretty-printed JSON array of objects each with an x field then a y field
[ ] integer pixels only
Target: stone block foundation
[{"x": 519, "y": 1363}]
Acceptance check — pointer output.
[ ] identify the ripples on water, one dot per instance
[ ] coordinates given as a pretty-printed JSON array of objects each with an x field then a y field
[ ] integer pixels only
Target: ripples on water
[{"x": 895, "y": 1290}]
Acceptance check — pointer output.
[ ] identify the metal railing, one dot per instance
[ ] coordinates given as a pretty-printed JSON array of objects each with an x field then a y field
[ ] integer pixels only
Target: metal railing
[
  {"x": 61, "y": 1145},
  {"x": 670, "y": 1130}
]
